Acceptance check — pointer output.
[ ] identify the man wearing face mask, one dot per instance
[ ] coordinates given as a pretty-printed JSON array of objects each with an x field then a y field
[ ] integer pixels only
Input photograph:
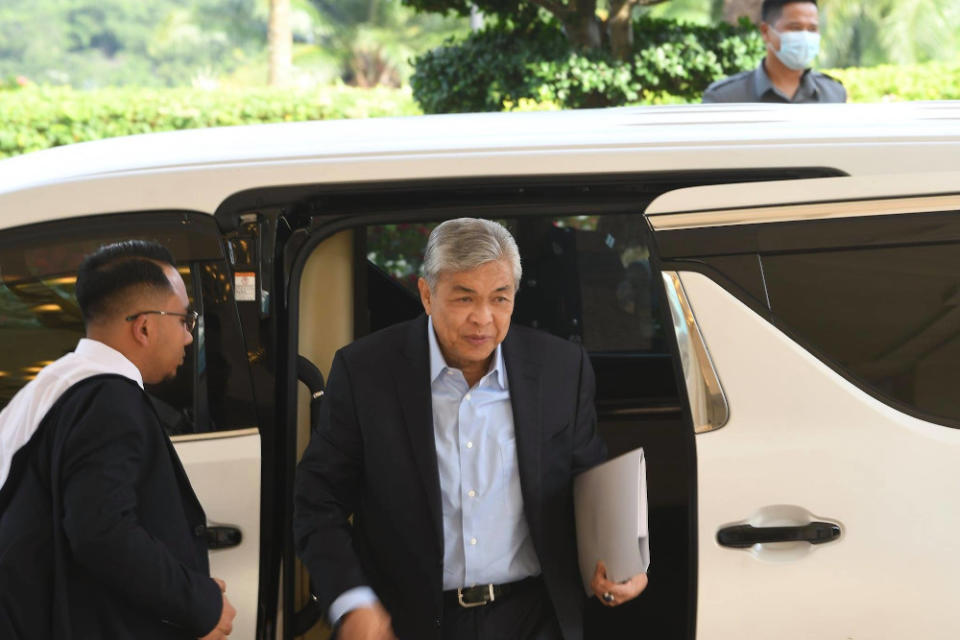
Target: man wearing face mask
[{"x": 791, "y": 30}]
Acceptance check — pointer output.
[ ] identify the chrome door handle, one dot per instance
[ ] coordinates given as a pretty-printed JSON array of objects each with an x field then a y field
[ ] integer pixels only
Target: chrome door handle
[{"x": 744, "y": 535}]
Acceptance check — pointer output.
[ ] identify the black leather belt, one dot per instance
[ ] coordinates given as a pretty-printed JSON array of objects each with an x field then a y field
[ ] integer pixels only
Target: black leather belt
[{"x": 481, "y": 594}]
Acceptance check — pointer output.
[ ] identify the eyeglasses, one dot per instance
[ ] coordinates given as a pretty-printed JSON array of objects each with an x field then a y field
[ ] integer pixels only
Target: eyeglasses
[{"x": 189, "y": 319}]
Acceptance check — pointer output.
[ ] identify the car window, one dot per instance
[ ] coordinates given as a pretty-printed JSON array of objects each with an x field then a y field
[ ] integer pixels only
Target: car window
[
  {"x": 890, "y": 316},
  {"x": 40, "y": 320}
]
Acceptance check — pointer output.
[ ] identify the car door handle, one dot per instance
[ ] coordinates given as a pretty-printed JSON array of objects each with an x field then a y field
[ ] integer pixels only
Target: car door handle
[
  {"x": 742, "y": 536},
  {"x": 221, "y": 537}
]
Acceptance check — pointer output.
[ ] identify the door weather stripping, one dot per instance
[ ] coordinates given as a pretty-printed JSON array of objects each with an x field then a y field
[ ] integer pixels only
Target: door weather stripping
[{"x": 708, "y": 404}]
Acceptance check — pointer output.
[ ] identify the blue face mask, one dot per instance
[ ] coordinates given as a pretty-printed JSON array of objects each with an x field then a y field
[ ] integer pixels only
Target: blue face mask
[{"x": 797, "y": 48}]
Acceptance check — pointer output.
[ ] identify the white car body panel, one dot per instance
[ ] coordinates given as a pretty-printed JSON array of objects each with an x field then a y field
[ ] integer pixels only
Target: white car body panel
[
  {"x": 197, "y": 169},
  {"x": 800, "y": 434},
  {"x": 224, "y": 469}
]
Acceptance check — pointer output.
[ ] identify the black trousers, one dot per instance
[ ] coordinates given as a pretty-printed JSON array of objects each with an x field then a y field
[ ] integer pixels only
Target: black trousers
[{"x": 524, "y": 614}]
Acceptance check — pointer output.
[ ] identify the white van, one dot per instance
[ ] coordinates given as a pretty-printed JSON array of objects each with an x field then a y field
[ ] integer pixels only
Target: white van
[{"x": 770, "y": 296}]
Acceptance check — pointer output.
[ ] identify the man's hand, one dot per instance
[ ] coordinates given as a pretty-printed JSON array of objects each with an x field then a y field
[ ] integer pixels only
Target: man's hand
[
  {"x": 366, "y": 623},
  {"x": 616, "y": 593},
  {"x": 227, "y": 613}
]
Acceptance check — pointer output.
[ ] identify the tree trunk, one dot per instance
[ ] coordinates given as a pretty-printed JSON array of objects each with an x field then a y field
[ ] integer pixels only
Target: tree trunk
[
  {"x": 280, "y": 43},
  {"x": 716, "y": 10},
  {"x": 733, "y": 10},
  {"x": 620, "y": 29},
  {"x": 476, "y": 19},
  {"x": 582, "y": 26}
]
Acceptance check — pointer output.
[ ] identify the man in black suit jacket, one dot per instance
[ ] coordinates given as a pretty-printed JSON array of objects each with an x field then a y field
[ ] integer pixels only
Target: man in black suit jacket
[
  {"x": 101, "y": 535},
  {"x": 382, "y": 455}
]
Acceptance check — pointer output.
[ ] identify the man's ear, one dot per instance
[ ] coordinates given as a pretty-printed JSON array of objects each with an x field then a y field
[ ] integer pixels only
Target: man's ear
[
  {"x": 141, "y": 330},
  {"x": 767, "y": 36},
  {"x": 424, "y": 294}
]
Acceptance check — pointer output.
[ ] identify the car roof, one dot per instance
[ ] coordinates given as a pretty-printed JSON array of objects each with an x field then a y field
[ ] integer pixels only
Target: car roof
[{"x": 198, "y": 169}]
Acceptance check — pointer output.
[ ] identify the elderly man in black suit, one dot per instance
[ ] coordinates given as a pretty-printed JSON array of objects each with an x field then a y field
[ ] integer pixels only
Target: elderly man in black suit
[
  {"x": 452, "y": 441},
  {"x": 101, "y": 535}
]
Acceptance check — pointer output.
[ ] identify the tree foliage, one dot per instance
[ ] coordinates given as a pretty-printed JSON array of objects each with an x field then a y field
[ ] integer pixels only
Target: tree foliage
[
  {"x": 504, "y": 65},
  {"x": 371, "y": 42},
  {"x": 587, "y": 24},
  {"x": 114, "y": 42},
  {"x": 98, "y": 43},
  {"x": 871, "y": 32}
]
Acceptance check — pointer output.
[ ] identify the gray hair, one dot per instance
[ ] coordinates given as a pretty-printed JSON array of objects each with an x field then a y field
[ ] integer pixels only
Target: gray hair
[{"x": 466, "y": 243}]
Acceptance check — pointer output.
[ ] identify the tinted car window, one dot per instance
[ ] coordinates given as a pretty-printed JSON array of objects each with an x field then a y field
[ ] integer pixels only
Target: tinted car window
[
  {"x": 890, "y": 316},
  {"x": 40, "y": 320}
]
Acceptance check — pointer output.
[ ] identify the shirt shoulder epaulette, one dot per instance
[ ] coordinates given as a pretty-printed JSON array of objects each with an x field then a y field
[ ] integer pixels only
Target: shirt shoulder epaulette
[
  {"x": 735, "y": 88},
  {"x": 829, "y": 77}
]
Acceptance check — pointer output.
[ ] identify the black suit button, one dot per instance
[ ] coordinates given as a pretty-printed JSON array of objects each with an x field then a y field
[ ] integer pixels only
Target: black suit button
[
  {"x": 436, "y": 621},
  {"x": 199, "y": 530}
]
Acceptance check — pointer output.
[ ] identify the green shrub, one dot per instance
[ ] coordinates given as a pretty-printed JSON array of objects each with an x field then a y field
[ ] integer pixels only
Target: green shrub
[
  {"x": 39, "y": 117},
  {"x": 887, "y": 83},
  {"x": 505, "y": 64}
]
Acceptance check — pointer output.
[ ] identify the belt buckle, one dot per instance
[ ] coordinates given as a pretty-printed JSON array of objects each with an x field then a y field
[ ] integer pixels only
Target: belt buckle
[{"x": 487, "y": 598}]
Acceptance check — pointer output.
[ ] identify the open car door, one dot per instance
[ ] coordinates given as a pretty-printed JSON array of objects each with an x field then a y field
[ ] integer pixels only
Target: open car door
[{"x": 819, "y": 322}]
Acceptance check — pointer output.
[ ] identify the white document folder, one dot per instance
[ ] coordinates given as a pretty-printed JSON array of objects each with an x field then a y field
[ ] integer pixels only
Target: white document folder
[{"x": 610, "y": 503}]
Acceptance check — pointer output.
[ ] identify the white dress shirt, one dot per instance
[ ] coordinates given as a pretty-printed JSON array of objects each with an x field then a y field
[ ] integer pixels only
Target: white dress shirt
[{"x": 485, "y": 534}]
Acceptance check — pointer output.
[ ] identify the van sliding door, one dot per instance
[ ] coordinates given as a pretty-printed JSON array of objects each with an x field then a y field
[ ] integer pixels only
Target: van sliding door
[{"x": 823, "y": 326}]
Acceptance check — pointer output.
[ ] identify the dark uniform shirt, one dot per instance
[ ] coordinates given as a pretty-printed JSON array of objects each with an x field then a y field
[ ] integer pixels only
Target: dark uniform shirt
[{"x": 755, "y": 86}]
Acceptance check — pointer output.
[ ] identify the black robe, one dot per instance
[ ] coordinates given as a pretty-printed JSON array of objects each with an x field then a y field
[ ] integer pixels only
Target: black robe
[{"x": 101, "y": 535}]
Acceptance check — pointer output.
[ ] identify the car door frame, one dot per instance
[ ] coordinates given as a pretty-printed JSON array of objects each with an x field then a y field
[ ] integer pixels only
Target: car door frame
[{"x": 719, "y": 242}]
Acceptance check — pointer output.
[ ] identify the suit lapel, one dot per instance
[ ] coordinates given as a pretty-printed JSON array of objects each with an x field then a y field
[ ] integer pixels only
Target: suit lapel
[
  {"x": 526, "y": 399},
  {"x": 413, "y": 386}
]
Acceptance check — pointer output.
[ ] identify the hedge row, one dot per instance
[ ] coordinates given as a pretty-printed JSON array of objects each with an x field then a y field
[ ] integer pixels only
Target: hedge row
[
  {"x": 886, "y": 83},
  {"x": 37, "y": 118},
  {"x": 930, "y": 81}
]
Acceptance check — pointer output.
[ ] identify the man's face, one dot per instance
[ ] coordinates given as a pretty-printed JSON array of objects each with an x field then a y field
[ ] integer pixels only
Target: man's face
[
  {"x": 795, "y": 16},
  {"x": 172, "y": 336},
  {"x": 471, "y": 312}
]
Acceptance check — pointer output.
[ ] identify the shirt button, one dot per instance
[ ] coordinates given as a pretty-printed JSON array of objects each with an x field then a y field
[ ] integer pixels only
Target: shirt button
[
  {"x": 466, "y": 397},
  {"x": 472, "y": 493},
  {"x": 473, "y": 541},
  {"x": 469, "y": 445}
]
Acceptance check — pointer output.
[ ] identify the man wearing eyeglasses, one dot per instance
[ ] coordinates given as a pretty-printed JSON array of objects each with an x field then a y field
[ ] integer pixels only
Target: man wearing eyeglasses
[{"x": 101, "y": 534}]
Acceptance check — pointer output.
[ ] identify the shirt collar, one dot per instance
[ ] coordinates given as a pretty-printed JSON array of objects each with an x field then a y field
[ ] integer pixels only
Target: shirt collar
[
  {"x": 762, "y": 83},
  {"x": 438, "y": 365},
  {"x": 109, "y": 358}
]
